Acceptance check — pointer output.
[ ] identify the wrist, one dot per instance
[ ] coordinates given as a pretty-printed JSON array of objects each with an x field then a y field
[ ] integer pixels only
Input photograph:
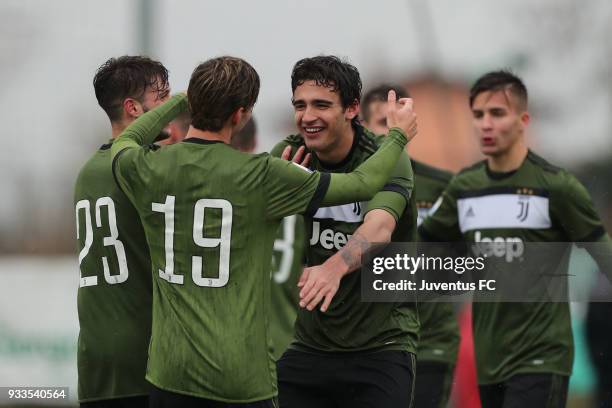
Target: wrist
[
  {"x": 337, "y": 265},
  {"x": 400, "y": 134}
]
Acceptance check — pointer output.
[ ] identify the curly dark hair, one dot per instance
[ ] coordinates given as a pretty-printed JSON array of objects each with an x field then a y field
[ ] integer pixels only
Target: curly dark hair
[
  {"x": 497, "y": 81},
  {"x": 331, "y": 72},
  {"x": 127, "y": 77},
  {"x": 217, "y": 88}
]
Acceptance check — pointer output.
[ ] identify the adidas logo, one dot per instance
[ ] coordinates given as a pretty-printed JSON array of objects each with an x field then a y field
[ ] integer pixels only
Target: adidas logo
[{"x": 470, "y": 212}]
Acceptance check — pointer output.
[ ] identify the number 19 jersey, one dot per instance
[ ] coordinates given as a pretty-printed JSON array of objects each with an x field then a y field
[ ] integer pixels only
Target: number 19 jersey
[{"x": 210, "y": 215}]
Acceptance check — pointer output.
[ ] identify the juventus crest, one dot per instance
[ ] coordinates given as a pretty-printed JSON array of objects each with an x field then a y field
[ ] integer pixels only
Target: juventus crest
[{"x": 523, "y": 203}]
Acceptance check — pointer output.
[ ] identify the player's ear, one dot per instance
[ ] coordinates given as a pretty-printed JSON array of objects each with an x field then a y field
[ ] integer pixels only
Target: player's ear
[
  {"x": 236, "y": 116},
  {"x": 352, "y": 110},
  {"x": 525, "y": 118},
  {"x": 132, "y": 108}
]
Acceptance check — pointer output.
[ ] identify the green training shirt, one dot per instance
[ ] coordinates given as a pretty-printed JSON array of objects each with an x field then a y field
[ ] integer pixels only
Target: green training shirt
[
  {"x": 114, "y": 295},
  {"x": 439, "y": 335},
  {"x": 536, "y": 203},
  {"x": 210, "y": 215},
  {"x": 287, "y": 266},
  {"x": 350, "y": 324}
]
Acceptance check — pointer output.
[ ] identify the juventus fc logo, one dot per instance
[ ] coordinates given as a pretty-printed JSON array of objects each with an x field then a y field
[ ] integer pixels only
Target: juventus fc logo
[
  {"x": 357, "y": 208},
  {"x": 524, "y": 209}
]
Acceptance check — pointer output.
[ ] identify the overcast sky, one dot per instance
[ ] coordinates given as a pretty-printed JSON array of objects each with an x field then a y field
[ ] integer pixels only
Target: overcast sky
[{"x": 49, "y": 51}]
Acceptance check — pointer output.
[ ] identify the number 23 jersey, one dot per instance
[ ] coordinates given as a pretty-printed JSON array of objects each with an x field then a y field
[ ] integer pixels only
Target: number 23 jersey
[{"x": 114, "y": 296}]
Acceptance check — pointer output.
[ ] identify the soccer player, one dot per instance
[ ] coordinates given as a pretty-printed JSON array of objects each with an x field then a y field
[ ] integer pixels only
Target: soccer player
[
  {"x": 114, "y": 295},
  {"x": 439, "y": 333},
  {"x": 524, "y": 351},
  {"x": 347, "y": 353},
  {"x": 287, "y": 260},
  {"x": 210, "y": 215}
]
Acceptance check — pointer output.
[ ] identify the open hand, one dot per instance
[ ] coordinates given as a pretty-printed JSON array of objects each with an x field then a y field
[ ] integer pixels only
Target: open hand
[{"x": 318, "y": 283}]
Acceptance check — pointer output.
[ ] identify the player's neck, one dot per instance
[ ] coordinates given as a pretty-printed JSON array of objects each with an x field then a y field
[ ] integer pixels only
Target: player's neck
[
  {"x": 118, "y": 128},
  {"x": 224, "y": 135},
  {"x": 340, "y": 150},
  {"x": 509, "y": 161}
]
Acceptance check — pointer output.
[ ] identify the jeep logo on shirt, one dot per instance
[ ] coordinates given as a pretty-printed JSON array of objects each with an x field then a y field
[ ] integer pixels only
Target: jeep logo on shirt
[
  {"x": 500, "y": 247},
  {"x": 328, "y": 238}
]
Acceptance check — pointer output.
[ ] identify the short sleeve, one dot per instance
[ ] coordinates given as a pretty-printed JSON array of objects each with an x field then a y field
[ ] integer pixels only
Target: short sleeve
[
  {"x": 396, "y": 193},
  {"x": 392, "y": 202},
  {"x": 402, "y": 178}
]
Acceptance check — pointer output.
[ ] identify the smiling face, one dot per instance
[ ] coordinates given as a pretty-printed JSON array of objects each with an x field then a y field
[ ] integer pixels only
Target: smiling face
[
  {"x": 320, "y": 117},
  {"x": 499, "y": 122}
]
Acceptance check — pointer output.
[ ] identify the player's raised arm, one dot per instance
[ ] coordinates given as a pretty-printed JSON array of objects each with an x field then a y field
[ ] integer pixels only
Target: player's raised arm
[
  {"x": 146, "y": 128},
  {"x": 367, "y": 179}
]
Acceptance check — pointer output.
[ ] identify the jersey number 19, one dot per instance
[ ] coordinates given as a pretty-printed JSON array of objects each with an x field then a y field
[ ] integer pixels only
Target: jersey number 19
[{"x": 223, "y": 241}]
